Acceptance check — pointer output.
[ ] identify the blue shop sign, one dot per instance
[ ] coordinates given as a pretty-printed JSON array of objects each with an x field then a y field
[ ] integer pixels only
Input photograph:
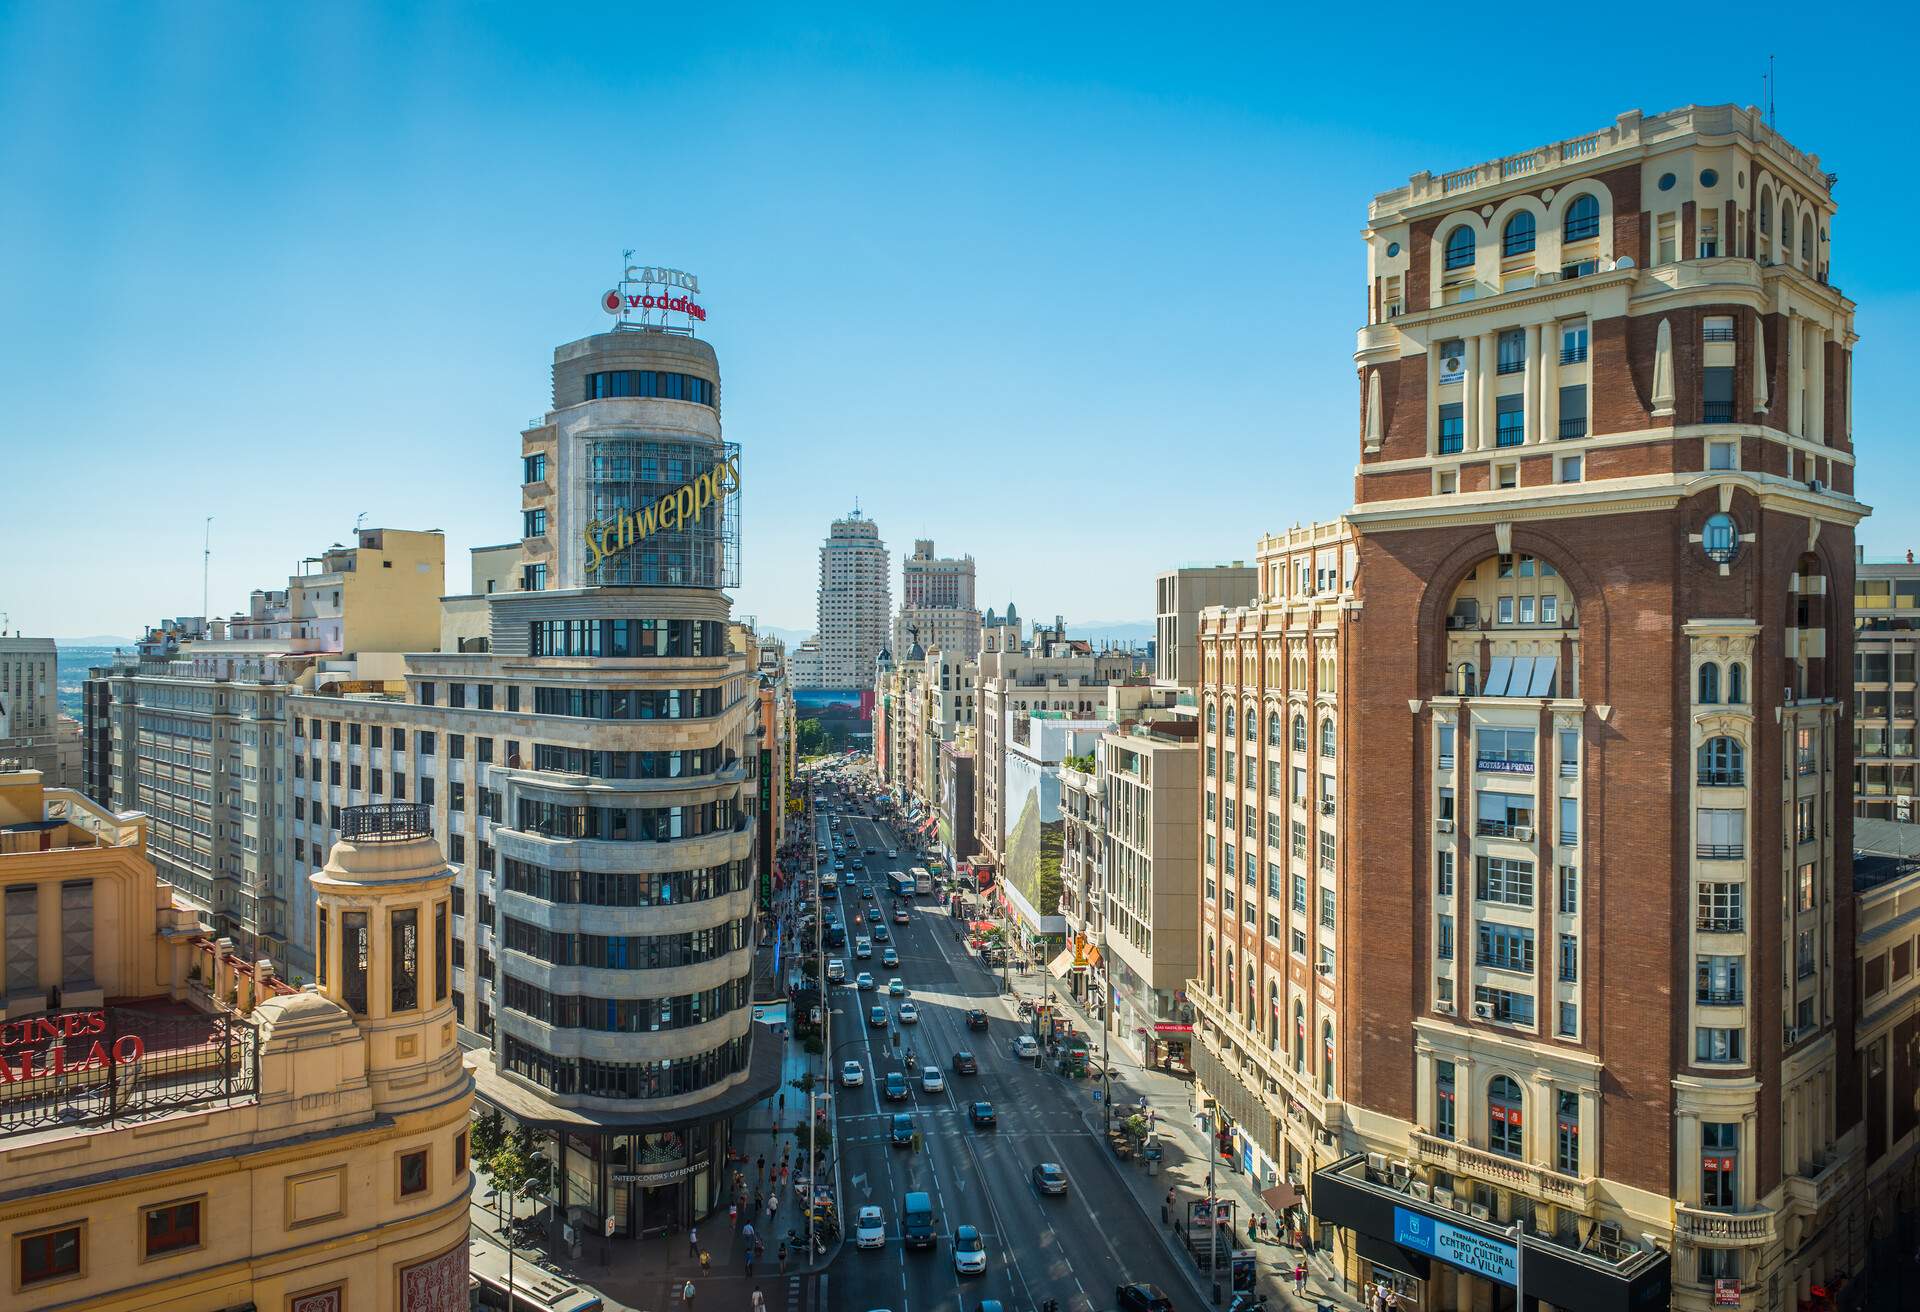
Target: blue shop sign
[{"x": 1465, "y": 1249}]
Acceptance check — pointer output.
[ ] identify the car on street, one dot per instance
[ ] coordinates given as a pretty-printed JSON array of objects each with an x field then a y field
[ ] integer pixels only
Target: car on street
[
  {"x": 880, "y": 934},
  {"x": 909, "y": 1014},
  {"x": 964, "y": 1064},
  {"x": 976, "y": 1018},
  {"x": 866, "y": 891},
  {"x": 872, "y": 850},
  {"x": 969, "y": 1253},
  {"x": 852, "y": 1073},
  {"x": 1050, "y": 1178},
  {"x": 892, "y": 855},
  {"x": 901, "y": 917},
  {"x": 863, "y": 980},
  {"x": 863, "y": 948},
  {"x": 895, "y": 988},
  {"x": 896, "y": 1086},
  {"x": 901, "y": 1134},
  {"x": 981, "y": 1113},
  {"x": 877, "y": 1018},
  {"x": 1025, "y": 1045},
  {"x": 889, "y": 958},
  {"x": 931, "y": 1080},
  {"x": 1141, "y": 1296},
  {"x": 869, "y": 1229}
]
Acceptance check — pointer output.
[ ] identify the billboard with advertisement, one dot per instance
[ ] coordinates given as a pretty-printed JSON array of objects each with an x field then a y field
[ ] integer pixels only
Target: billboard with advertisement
[{"x": 844, "y": 715}]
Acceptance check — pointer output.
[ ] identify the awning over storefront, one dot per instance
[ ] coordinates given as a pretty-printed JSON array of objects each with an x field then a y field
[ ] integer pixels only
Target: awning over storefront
[
  {"x": 1281, "y": 1196},
  {"x": 1061, "y": 964}
]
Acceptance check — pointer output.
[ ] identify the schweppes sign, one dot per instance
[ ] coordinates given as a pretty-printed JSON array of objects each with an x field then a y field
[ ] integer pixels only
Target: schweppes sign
[{"x": 678, "y": 509}]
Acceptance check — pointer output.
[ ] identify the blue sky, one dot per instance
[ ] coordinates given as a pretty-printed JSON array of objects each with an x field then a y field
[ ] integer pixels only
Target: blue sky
[{"x": 1073, "y": 290}]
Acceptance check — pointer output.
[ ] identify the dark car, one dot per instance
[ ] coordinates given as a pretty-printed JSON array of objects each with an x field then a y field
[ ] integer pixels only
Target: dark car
[
  {"x": 964, "y": 1064},
  {"x": 880, "y": 935},
  {"x": 1050, "y": 1178},
  {"x": 1141, "y": 1297},
  {"x": 902, "y": 1132},
  {"x": 896, "y": 1086},
  {"x": 976, "y": 1018},
  {"x": 981, "y": 1112}
]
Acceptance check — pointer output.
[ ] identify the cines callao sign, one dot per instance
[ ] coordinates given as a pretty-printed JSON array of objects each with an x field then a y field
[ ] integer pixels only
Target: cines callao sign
[{"x": 678, "y": 509}]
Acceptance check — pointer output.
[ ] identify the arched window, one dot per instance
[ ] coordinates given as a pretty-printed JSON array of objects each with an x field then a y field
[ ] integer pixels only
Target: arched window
[
  {"x": 1464, "y": 684},
  {"x": 1766, "y": 213},
  {"x": 1736, "y": 684},
  {"x": 1326, "y": 1059},
  {"x": 1299, "y": 733},
  {"x": 1252, "y": 1013},
  {"x": 1273, "y": 1016},
  {"x": 1327, "y": 736},
  {"x": 1213, "y": 718},
  {"x": 1517, "y": 239},
  {"x": 1583, "y": 219},
  {"x": 1806, "y": 239},
  {"x": 1229, "y": 993},
  {"x": 1709, "y": 684},
  {"x": 1229, "y": 721},
  {"x": 1273, "y": 728},
  {"x": 1504, "y": 1128},
  {"x": 1721, "y": 762},
  {"x": 1460, "y": 248},
  {"x": 1299, "y": 1036},
  {"x": 1213, "y": 969},
  {"x": 1786, "y": 228},
  {"x": 1252, "y": 724}
]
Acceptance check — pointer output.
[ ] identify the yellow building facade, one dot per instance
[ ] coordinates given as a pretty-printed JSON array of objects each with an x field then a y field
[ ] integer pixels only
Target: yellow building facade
[{"x": 180, "y": 1130}]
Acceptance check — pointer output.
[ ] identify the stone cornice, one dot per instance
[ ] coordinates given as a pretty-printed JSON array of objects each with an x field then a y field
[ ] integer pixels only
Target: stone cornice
[{"x": 1615, "y": 497}]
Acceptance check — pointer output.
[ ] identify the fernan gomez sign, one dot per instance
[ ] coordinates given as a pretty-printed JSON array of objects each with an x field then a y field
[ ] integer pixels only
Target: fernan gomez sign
[{"x": 62, "y": 1044}]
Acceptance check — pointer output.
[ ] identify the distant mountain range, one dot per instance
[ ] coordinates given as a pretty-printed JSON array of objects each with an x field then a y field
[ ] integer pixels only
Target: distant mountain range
[
  {"x": 97, "y": 640},
  {"x": 1123, "y": 633}
]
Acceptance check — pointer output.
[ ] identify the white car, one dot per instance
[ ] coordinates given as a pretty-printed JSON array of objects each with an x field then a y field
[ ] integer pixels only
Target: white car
[
  {"x": 909, "y": 1014},
  {"x": 852, "y": 1074},
  {"x": 931, "y": 1080},
  {"x": 870, "y": 1230},
  {"x": 1026, "y": 1045},
  {"x": 969, "y": 1252},
  {"x": 863, "y": 980},
  {"x": 863, "y": 948}
]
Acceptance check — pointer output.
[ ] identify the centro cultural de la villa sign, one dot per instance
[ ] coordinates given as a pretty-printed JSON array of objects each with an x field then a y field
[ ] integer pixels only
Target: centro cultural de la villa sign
[{"x": 678, "y": 509}]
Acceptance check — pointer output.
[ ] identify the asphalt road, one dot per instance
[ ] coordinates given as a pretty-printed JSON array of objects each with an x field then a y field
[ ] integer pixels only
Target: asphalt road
[{"x": 1074, "y": 1248}]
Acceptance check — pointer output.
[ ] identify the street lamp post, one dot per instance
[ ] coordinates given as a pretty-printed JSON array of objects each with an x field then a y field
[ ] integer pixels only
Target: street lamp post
[
  {"x": 1219, "y": 1127},
  {"x": 1106, "y": 1027}
]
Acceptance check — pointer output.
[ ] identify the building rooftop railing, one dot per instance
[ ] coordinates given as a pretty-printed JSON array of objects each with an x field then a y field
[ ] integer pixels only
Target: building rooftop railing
[{"x": 386, "y": 822}]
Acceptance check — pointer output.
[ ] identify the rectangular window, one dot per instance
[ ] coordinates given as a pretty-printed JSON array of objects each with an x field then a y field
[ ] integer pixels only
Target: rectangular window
[
  {"x": 1719, "y": 980},
  {"x": 1720, "y": 455},
  {"x": 1568, "y": 825},
  {"x": 1504, "y": 947},
  {"x": 1713, "y": 1045},
  {"x": 172, "y": 1228},
  {"x": 1326, "y": 908},
  {"x": 1721, "y": 908},
  {"x": 1443, "y": 939},
  {"x": 1504, "y": 815},
  {"x": 1453, "y": 429},
  {"x": 1573, "y": 411},
  {"x": 1504, "y": 751},
  {"x": 1505, "y": 610},
  {"x": 1569, "y": 753},
  {"x": 1504, "y": 880},
  {"x": 534, "y": 468},
  {"x": 1300, "y": 894},
  {"x": 404, "y": 954},
  {"x": 1445, "y": 1107},
  {"x": 1716, "y": 394},
  {"x": 1566, "y": 1145},
  {"x": 533, "y": 578},
  {"x": 353, "y": 960},
  {"x": 76, "y": 934},
  {"x": 49, "y": 1255},
  {"x": 1569, "y": 470},
  {"x": 459, "y": 1156},
  {"x": 1513, "y": 351},
  {"x": 1509, "y": 420},
  {"x": 1719, "y": 1164},
  {"x": 1503, "y": 1006},
  {"x": 533, "y": 523},
  {"x": 1569, "y": 959},
  {"x": 1445, "y": 734},
  {"x": 1444, "y": 884},
  {"x": 1573, "y": 342},
  {"x": 413, "y": 1173},
  {"x": 440, "y": 980},
  {"x": 1569, "y": 1020},
  {"x": 1721, "y": 832},
  {"x": 1569, "y": 891}
]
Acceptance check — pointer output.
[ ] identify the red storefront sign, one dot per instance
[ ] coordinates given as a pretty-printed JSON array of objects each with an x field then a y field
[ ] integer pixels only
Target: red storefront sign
[{"x": 62, "y": 1044}]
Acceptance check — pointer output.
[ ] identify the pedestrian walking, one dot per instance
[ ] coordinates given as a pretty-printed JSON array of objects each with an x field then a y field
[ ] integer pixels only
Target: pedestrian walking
[
  {"x": 1300, "y": 1277},
  {"x": 783, "y": 1257},
  {"x": 746, "y": 1233},
  {"x": 760, "y": 1166},
  {"x": 749, "y": 1263},
  {"x": 759, "y": 1199},
  {"x": 706, "y": 1261},
  {"x": 733, "y": 1215},
  {"x": 693, "y": 1241},
  {"x": 686, "y": 1293},
  {"x": 773, "y": 1205}
]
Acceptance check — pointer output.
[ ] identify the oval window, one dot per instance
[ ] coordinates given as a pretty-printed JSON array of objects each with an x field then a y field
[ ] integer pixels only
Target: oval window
[
  {"x": 1393, "y": 249},
  {"x": 1708, "y": 178},
  {"x": 1720, "y": 538},
  {"x": 1666, "y": 181}
]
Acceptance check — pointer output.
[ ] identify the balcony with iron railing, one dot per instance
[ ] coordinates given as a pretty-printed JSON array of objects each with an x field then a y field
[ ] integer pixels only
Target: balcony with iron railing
[
  {"x": 1721, "y": 778},
  {"x": 1723, "y": 1229},
  {"x": 1716, "y": 412},
  {"x": 1572, "y": 428},
  {"x": 1720, "y": 851},
  {"x": 1716, "y": 334},
  {"x": 1573, "y": 354},
  {"x": 1728, "y": 996},
  {"x": 1720, "y": 924}
]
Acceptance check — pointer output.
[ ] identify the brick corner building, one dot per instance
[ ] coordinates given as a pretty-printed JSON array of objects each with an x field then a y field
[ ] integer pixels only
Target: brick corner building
[{"x": 1546, "y": 913}]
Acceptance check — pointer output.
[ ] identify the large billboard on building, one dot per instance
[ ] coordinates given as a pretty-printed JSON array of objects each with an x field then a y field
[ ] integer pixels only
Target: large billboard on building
[
  {"x": 845, "y": 716},
  {"x": 1034, "y": 835}
]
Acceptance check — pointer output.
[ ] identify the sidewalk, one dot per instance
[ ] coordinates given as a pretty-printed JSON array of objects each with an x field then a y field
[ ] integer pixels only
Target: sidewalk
[{"x": 1183, "y": 1168}]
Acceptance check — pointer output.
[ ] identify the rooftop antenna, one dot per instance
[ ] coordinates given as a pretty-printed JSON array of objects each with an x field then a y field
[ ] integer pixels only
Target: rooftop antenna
[
  {"x": 1773, "y": 119},
  {"x": 206, "y": 560},
  {"x": 356, "y": 523}
]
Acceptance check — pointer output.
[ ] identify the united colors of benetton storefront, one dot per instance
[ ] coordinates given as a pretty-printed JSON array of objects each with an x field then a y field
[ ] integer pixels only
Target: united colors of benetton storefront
[{"x": 1443, "y": 1260}]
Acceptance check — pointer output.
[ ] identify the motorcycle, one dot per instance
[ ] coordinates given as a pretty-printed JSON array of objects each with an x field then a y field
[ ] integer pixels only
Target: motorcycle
[{"x": 912, "y": 1062}]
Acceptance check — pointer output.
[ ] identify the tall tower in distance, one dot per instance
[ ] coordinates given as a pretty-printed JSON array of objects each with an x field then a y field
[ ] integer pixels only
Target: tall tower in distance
[
  {"x": 1598, "y": 983},
  {"x": 855, "y": 602},
  {"x": 937, "y": 608}
]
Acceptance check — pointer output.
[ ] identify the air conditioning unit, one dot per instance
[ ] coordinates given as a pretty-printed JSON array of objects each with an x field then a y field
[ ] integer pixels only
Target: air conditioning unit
[
  {"x": 1793, "y": 1034},
  {"x": 1419, "y": 1190},
  {"x": 1444, "y": 1197},
  {"x": 1483, "y": 1010},
  {"x": 1401, "y": 1170},
  {"x": 1815, "y": 485},
  {"x": 1523, "y": 833},
  {"x": 1377, "y": 1163},
  {"x": 1445, "y": 826},
  {"x": 1444, "y": 1008},
  {"x": 1479, "y": 1213},
  {"x": 1323, "y": 969}
]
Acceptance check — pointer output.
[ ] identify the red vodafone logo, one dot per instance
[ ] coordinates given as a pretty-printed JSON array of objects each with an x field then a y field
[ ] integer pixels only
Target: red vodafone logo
[{"x": 611, "y": 303}]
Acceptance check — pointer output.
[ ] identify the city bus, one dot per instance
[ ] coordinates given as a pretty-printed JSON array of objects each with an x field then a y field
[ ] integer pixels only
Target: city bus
[
  {"x": 903, "y": 885},
  {"x": 922, "y": 879},
  {"x": 829, "y": 883},
  {"x": 534, "y": 1290}
]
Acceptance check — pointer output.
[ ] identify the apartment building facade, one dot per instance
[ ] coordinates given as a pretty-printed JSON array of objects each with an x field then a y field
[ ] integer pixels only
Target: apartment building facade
[
  {"x": 1179, "y": 595},
  {"x": 595, "y": 776},
  {"x": 1602, "y": 616},
  {"x": 937, "y": 608},
  {"x": 1886, "y": 617},
  {"x": 30, "y": 729},
  {"x": 854, "y": 604}
]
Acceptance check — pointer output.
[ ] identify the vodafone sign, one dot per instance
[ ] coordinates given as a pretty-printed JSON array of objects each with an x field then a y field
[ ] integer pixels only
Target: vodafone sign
[{"x": 646, "y": 290}]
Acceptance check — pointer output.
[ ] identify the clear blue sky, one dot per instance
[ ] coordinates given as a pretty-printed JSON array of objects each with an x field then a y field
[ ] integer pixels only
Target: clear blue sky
[{"x": 1073, "y": 291}]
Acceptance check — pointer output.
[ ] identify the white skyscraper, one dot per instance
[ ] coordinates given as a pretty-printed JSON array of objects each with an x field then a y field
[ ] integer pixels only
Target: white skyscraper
[
  {"x": 936, "y": 605},
  {"x": 856, "y": 602}
]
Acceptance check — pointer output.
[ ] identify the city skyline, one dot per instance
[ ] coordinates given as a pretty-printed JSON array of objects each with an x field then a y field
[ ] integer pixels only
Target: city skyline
[{"x": 1156, "y": 159}]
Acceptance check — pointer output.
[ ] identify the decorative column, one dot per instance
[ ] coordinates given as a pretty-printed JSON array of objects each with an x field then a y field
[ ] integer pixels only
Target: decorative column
[
  {"x": 1489, "y": 365},
  {"x": 1816, "y": 354},
  {"x": 1550, "y": 385},
  {"x": 1663, "y": 370},
  {"x": 1759, "y": 365},
  {"x": 1535, "y": 430},
  {"x": 1470, "y": 397}
]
